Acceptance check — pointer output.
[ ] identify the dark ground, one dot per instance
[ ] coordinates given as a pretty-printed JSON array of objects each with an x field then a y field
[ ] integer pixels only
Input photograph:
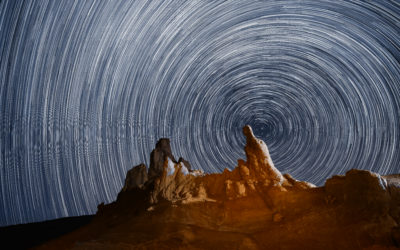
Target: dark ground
[{"x": 26, "y": 236}]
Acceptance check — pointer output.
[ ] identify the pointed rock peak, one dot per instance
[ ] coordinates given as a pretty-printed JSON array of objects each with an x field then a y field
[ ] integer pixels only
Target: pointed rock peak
[
  {"x": 248, "y": 132},
  {"x": 258, "y": 158}
]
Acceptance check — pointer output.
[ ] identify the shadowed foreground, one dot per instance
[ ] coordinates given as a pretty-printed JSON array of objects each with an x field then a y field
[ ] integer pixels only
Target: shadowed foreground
[{"x": 33, "y": 234}]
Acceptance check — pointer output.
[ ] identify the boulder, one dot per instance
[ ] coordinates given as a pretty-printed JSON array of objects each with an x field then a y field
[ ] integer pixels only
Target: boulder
[{"x": 136, "y": 177}]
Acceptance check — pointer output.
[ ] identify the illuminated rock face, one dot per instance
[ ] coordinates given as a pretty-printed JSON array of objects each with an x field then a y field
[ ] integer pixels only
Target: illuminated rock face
[
  {"x": 253, "y": 206},
  {"x": 174, "y": 181},
  {"x": 259, "y": 161}
]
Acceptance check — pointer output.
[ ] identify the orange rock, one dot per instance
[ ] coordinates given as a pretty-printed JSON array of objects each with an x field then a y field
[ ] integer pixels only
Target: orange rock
[{"x": 253, "y": 206}]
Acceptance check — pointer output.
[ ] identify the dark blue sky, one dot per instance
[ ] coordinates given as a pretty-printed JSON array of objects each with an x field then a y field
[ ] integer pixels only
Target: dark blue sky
[{"x": 88, "y": 87}]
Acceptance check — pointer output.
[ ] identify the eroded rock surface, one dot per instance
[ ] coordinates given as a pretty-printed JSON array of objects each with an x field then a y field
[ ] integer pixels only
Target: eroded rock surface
[
  {"x": 253, "y": 206},
  {"x": 136, "y": 177},
  {"x": 158, "y": 156}
]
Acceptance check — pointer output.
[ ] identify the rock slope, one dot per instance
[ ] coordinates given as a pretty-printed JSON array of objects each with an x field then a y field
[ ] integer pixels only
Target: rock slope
[{"x": 253, "y": 206}]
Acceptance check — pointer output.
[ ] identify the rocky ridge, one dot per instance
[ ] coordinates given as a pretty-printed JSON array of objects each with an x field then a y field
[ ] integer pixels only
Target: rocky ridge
[
  {"x": 175, "y": 182},
  {"x": 253, "y": 206}
]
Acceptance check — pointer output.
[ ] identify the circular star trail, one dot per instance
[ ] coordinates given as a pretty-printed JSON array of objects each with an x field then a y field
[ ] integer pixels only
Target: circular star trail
[{"x": 88, "y": 87}]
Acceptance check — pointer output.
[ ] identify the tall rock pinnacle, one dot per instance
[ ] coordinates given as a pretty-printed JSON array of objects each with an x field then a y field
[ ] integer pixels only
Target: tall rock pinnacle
[
  {"x": 158, "y": 157},
  {"x": 258, "y": 158}
]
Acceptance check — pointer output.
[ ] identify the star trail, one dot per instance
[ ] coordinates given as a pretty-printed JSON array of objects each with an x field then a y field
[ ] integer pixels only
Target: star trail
[{"x": 88, "y": 87}]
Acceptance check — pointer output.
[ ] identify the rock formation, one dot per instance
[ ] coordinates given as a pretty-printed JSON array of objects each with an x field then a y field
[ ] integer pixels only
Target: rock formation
[
  {"x": 157, "y": 157},
  {"x": 136, "y": 177},
  {"x": 253, "y": 206},
  {"x": 259, "y": 160}
]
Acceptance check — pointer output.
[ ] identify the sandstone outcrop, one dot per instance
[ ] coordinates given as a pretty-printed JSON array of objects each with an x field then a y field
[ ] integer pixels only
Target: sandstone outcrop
[
  {"x": 253, "y": 206},
  {"x": 157, "y": 157},
  {"x": 136, "y": 177}
]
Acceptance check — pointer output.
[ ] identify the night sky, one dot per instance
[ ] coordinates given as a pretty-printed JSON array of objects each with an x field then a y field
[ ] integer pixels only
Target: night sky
[{"x": 88, "y": 87}]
